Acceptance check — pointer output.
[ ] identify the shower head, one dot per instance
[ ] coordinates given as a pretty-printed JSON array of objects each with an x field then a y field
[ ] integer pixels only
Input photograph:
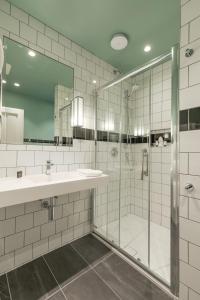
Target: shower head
[
  {"x": 1, "y": 56},
  {"x": 134, "y": 88}
]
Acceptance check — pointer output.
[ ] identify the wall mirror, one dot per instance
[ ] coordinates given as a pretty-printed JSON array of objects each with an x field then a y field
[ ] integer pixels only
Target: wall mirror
[{"x": 35, "y": 89}]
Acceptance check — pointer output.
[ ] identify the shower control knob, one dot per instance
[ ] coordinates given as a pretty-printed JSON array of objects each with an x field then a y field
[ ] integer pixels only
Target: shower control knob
[
  {"x": 189, "y": 52},
  {"x": 189, "y": 187}
]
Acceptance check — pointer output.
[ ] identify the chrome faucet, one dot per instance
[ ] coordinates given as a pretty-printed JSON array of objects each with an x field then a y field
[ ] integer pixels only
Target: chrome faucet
[{"x": 49, "y": 164}]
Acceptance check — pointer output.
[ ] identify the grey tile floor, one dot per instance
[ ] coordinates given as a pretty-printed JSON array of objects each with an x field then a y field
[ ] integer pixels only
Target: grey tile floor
[{"x": 85, "y": 269}]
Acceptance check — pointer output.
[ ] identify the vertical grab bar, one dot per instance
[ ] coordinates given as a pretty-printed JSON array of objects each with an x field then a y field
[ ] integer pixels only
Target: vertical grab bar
[{"x": 145, "y": 171}]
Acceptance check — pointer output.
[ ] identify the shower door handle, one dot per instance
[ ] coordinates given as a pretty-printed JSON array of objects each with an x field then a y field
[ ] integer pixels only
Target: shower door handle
[{"x": 145, "y": 164}]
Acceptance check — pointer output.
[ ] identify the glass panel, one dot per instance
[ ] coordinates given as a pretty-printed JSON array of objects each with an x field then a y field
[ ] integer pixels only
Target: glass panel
[
  {"x": 134, "y": 148},
  {"x": 134, "y": 167},
  {"x": 160, "y": 163},
  {"x": 108, "y": 160}
]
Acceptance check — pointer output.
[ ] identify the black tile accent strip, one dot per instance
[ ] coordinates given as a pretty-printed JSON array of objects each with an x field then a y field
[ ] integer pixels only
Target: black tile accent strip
[
  {"x": 183, "y": 116},
  {"x": 66, "y": 141},
  {"x": 113, "y": 137},
  {"x": 194, "y": 118},
  {"x": 102, "y": 136},
  {"x": 79, "y": 133},
  {"x": 89, "y": 134},
  {"x": 190, "y": 119},
  {"x": 38, "y": 141}
]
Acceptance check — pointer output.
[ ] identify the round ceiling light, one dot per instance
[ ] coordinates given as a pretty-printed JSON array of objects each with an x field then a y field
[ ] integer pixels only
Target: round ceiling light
[
  {"x": 119, "y": 41},
  {"x": 147, "y": 48}
]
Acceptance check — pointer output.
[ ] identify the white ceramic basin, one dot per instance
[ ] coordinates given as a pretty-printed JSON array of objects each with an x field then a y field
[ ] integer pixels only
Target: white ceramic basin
[
  {"x": 43, "y": 178},
  {"x": 29, "y": 188}
]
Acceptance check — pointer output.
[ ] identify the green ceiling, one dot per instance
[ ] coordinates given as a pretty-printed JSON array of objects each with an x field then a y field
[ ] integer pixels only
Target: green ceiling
[{"x": 91, "y": 23}]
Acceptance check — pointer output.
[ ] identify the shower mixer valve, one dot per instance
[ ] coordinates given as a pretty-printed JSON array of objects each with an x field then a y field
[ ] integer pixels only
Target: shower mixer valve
[{"x": 189, "y": 187}]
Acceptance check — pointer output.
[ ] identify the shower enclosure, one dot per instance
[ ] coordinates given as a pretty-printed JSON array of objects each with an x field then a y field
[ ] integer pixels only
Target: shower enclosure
[{"x": 136, "y": 144}]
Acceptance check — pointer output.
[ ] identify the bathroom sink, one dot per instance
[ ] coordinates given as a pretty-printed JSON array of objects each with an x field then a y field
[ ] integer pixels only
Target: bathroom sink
[
  {"x": 43, "y": 178},
  {"x": 34, "y": 187}
]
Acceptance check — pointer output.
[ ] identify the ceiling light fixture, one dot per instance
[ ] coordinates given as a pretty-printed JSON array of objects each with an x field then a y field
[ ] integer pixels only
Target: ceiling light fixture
[
  {"x": 4, "y": 81},
  {"x": 119, "y": 41},
  {"x": 147, "y": 48},
  {"x": 16, "y": 84},
  {"x": 94, "y": 81},
  {"x": 31, "y": 53}
]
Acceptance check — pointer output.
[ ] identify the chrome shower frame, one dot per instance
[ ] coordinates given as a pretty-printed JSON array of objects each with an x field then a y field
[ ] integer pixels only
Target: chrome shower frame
[{"x": 173, "y": 55}]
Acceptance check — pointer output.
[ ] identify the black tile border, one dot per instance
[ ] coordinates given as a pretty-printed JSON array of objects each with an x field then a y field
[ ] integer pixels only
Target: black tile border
[
  {"x": 114, "y": 137},
  {"x": 38, "y": 141},
  {"x": 189, "y": 119},
  {"x": 194, "y": 118},
  {"x": 183, "y": 120},
  {"x": 102, "y": 136}
]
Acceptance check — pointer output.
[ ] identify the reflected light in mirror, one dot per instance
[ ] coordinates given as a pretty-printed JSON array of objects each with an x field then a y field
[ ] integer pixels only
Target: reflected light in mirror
[
  {"x": 31, "y": 53},
  {"x": 77, "y": 112},
  {"x": 16, "y": 84},
  {"x": 135, "y": 132},
  {"x": 4, "y": 81}
]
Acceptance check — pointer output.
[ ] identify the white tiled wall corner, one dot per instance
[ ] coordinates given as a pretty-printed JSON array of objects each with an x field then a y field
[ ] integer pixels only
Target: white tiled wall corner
[{"x": 190, "y": 155}]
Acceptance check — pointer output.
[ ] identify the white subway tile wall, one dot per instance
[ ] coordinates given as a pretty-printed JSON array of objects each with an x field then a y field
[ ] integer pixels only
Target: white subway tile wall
[
  {"x": 25, "y": 232},
  {"x": 190, "y": 154}
]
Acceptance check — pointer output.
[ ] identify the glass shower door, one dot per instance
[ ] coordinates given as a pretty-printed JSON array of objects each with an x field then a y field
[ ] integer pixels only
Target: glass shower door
[
  {"x": 138, "y": 210},
  {"x": 134, "y": 193},
  {"x": 107, "y": 200}
]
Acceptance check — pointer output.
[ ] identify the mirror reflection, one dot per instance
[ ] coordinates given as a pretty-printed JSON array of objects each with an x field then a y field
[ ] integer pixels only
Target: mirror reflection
[{"x": 35, "y": 88}]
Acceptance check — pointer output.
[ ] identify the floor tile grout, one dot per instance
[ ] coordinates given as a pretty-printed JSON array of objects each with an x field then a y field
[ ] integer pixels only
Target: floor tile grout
[
  {"x": 9, "y": 290},
  {"x": 99, "y": 260},
  {"x": 92, "y": 269},
  {"x": 89, "y": 267},
  {"x": 81, "y": 273},
  {"x": 55, "y": 280}
]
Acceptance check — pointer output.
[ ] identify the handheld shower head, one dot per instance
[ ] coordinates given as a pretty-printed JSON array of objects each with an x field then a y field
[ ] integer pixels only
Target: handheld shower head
[
  {"x": 1, "y": 56},
  {"x": 134, "y": 88}
]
